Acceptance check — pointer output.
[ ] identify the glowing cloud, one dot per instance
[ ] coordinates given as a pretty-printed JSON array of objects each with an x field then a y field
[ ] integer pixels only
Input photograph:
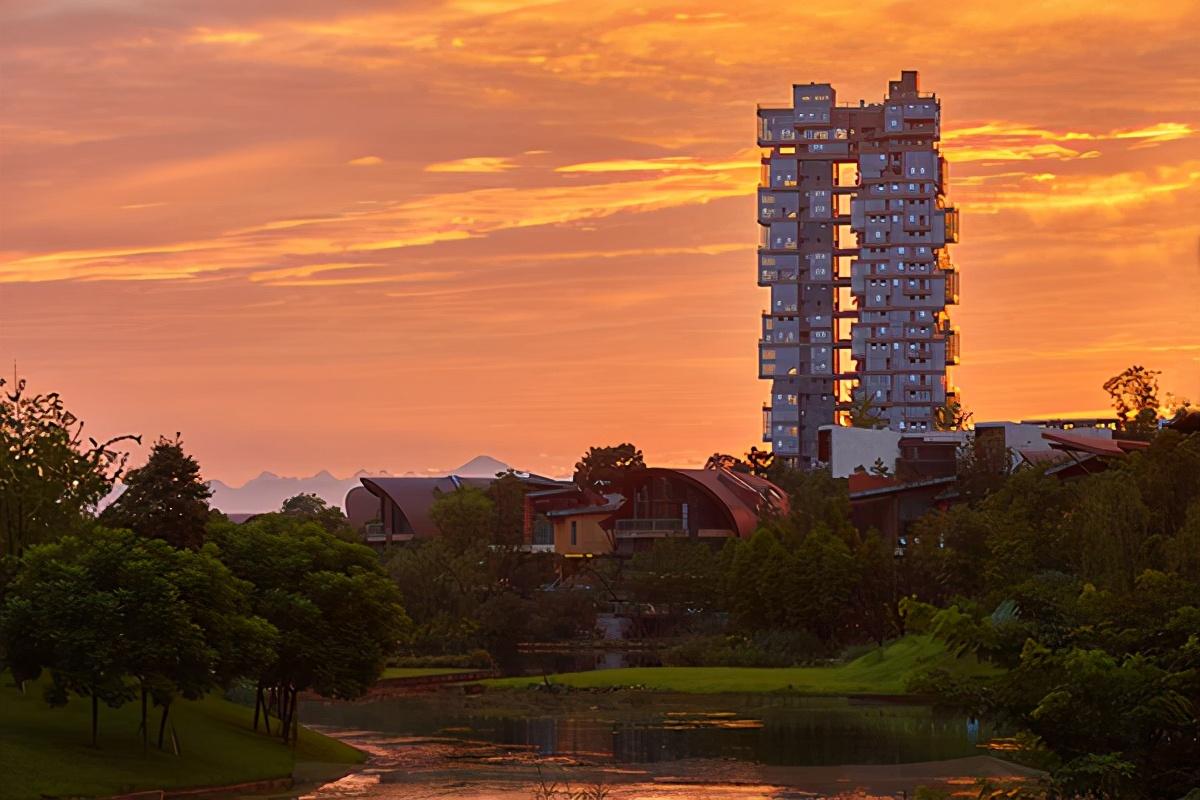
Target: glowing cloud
[
  {"x": 206, "y": 36},
  {"x": 474, "y": 164}
]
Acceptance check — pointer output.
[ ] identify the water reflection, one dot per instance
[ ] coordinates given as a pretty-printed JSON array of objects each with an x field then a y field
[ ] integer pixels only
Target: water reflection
[{"x": 767, "y": 730}]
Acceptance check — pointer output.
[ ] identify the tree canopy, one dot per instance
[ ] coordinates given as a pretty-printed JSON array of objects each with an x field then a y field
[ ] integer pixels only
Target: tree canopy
[
  {"x": 164, "y": 499},
  {"x": 1088, "y": 591},
  {"x": 100, "y": 609},
  {"x": 313, "y": 508},
  {"x": 51, "y": 476},
  {"x": 1134, "y": 394},
  {"x": 604, "y": 469},
  {"x": 337, "y": 615}
]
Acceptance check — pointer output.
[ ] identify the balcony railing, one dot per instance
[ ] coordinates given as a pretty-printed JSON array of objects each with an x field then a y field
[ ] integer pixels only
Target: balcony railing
[{"x": 634, "y": 528}]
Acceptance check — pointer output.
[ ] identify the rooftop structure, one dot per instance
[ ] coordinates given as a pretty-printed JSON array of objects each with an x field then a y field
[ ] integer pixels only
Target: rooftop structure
[
  {"x": 700, "y": 504},
  {"x": 392, "y": 510},
  {"x": 853, "y": 246}
]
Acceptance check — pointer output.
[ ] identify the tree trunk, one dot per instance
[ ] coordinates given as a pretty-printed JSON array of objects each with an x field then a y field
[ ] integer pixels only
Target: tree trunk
[
  {"x": 162, "y": 724},
  {"x": 258, "y": 699},
  {"x": 95, "y": 716},
  {"x": 285, "y": 713},
  {"x": 288, "y": 716},
  {"x": 145, "y": 733}
]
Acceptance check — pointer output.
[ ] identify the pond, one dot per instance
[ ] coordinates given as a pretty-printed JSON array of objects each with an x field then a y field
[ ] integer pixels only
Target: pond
[{"x": 500, "y": 744}]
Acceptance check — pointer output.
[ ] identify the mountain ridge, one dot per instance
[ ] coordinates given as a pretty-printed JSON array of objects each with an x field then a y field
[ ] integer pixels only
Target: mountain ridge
[{"x": 267, "y": 491}]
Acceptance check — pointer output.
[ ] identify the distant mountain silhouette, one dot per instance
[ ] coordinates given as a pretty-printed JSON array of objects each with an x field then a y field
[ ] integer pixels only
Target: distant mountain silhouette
[
  {"x": 267, "y": 491},
  {"x": 480, "y": 467}
]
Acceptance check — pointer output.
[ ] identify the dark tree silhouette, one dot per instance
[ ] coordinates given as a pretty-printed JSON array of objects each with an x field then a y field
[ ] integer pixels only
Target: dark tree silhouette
[
  {"x": 165, "y": 499},
  {"x": 50, "y": 476},
  {"x": 603, "y": 469},
  {"x": 1134, "y": 394}
]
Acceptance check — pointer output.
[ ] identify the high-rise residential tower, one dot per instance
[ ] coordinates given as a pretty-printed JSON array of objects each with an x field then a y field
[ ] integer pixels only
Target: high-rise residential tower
[{"x": 853, "y": 246}]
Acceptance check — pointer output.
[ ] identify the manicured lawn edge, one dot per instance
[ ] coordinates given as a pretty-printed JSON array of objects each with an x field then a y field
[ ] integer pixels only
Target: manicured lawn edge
[{"x": 883, "y": 672}]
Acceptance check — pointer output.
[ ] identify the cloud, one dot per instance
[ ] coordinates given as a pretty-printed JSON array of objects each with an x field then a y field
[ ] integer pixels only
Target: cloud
[
  {"x": 1009, "y": 141},
  {"x": 474, "y": 164},
  {"x": 206, "y": 36},
  {"x": 664, "y": 164},
  {"x": 365, "y": 161},
  {"x": 1059, "y": 193}
]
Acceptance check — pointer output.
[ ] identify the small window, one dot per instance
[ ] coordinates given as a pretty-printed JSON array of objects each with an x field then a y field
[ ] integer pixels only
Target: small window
[{"x": 574, "y": 532}]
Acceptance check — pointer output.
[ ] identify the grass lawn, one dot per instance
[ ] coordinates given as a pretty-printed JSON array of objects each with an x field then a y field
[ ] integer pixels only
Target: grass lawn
[
  {"x": 46, "y": 752},
  {"x": 880, "y": 672},
  {"x": 421, "y": 672}
]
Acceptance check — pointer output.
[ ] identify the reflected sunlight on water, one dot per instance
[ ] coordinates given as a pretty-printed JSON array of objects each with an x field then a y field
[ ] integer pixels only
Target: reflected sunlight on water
[{"x": 442, "y": 746}]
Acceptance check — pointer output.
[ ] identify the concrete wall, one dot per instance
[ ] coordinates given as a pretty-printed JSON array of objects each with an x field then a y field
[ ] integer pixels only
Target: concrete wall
[{"x": 854, "y": 447}]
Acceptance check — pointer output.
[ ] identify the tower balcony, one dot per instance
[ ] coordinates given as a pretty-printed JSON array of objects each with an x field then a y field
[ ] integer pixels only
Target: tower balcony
[
  {"x": 775, "y": 205},
  {"x": 952, "y": 226},
  {"x": 952, "y": 281},
  {"x": 953, "y": 348},
  {"x": 776, "y": 125}
]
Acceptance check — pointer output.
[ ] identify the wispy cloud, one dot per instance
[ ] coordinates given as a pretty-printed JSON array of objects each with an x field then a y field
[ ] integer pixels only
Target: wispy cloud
[
  {"x": 474, "y": 164},
  {"x": 664, "y": 164},
  {"x": 207, "y": 36}
]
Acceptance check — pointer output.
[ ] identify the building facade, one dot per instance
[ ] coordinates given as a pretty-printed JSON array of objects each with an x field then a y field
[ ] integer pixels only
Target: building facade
[{"x": 853, "y": 247}]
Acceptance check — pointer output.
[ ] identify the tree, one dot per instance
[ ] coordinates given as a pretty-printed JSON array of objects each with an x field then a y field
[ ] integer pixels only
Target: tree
[
  {"x": 465, "y": 516},
  {"x": 726, "y": 461},
  {"x": 1086, "y": 592},
  {"x": 863, "y": 411},
  {"x": 677, "y": 574},
  {"x": 754, "y": 583},
  {"x": 100, "y": 610},
  {"x": 337, "y": 615},
  {"x": 1134, "y": 394},
  {"x": 874, "y": 597},
  {"x": 814, "y": 497},
  {"x": 51, "y": 478},
  {"x": 983, "y": 465},
  {"x": 604, "y": 469},
  {"x": 951, "y": 417},
  {"x": 824, "y": 576},
  {"x": 759, "y": 461},
  {"x": 165, "y": 499},
  {"x": 313, "y": 508},
  {"x": 507, "y": 494},
  {"x": 443, "y": 587}
]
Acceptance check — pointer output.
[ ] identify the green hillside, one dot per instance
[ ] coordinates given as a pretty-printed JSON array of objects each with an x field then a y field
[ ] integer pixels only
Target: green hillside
[{"x": 46, "y": 752}]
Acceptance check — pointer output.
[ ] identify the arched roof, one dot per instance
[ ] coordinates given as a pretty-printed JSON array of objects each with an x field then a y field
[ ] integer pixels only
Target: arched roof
[
  {"x": 743, "y": 496},
  {"x": 415, "y": 496}
]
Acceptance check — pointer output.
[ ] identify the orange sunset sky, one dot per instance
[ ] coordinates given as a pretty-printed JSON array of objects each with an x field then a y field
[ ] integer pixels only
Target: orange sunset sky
[{"x": 397, "y": 234}]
